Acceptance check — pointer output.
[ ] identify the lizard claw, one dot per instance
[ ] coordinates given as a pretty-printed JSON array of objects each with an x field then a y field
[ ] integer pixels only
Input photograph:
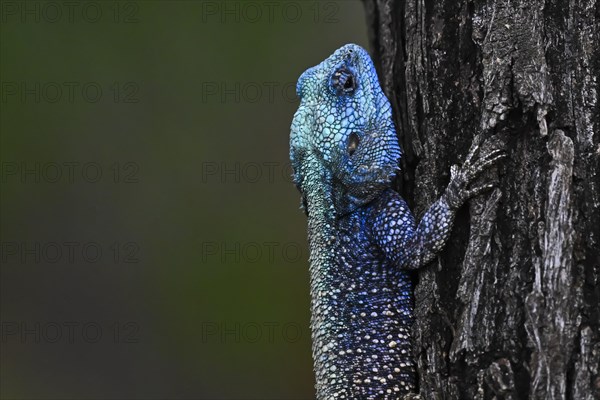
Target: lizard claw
[
  {"x": 474, "y": 149},
  {"x": 479, "y": 189},
  {"x": 454, "y": 171},
  {"x": 484, "y": 163}
]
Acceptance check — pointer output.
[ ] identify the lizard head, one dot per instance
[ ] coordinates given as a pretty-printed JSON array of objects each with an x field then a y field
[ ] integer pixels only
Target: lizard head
[{"x": 344, "y": 127}]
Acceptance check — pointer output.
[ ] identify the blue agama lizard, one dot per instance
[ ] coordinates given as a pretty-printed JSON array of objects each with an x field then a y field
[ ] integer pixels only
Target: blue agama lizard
[{"x": 362, "y": 236}]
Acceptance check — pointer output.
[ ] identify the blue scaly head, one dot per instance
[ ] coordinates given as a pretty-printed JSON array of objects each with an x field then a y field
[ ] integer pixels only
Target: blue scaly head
[{"x": 344, "y": 124}]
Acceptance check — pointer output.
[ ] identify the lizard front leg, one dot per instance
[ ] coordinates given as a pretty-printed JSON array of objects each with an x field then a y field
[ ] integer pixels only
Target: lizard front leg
[{"x": 411, "y": 247}]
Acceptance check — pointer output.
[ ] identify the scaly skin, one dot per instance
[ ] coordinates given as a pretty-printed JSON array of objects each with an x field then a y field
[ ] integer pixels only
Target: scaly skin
[{"x": 362, "y": 236}]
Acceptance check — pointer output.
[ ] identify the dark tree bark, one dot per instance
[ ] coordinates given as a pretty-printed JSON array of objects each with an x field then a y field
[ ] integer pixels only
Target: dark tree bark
[{"x": 510, "y": 310}]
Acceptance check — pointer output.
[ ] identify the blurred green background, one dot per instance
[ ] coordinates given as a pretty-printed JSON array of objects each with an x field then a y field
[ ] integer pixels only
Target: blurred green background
[{"x": 151, "y": 240}]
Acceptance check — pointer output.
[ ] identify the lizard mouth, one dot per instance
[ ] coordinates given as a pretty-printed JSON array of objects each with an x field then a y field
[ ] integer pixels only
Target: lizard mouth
[{"x": 375, "y": 173}]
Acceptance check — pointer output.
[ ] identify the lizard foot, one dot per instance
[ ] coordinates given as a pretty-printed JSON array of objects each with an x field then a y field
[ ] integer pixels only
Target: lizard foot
[{"x": 459, "y": 190}]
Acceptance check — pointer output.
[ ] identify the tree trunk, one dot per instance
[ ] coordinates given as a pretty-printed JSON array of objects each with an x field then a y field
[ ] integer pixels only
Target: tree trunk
[{"x": 510, "y": 309}]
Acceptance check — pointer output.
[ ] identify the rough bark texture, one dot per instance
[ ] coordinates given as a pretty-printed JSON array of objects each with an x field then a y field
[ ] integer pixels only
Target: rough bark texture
[{"x": 510, "y": 310}]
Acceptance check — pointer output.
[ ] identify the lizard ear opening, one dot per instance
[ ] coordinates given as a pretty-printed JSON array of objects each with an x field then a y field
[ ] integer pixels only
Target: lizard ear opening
[{"x": 353, "y": 141}]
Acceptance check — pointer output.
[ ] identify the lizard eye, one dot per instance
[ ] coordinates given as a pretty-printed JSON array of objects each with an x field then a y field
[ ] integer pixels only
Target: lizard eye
[
  {"x": 353, "y": 141},
  {"x": 343, "y": 81}
]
